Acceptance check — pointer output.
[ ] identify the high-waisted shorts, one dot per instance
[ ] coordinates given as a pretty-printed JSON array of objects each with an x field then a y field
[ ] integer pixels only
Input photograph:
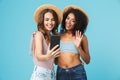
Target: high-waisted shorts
[{"x": 40, "y": 73}]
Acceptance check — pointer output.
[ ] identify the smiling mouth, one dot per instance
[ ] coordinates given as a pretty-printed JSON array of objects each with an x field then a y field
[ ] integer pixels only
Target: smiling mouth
[
  {"x": 50, "y": 26},
  {"x": 68, "y": 25}
]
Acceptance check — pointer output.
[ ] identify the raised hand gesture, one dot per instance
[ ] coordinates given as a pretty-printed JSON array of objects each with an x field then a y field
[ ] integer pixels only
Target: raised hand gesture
[
  {"x": 78, "y": 38},
  {"x": 54, "y": 52}
]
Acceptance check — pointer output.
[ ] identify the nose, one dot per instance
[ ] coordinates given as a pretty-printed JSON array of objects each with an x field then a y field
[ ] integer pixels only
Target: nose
[
  {"x": 69, "y": 21},
  {"x": 50, "y": 21}
]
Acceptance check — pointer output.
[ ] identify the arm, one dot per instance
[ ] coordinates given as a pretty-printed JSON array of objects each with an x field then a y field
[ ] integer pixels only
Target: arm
[
  {"x": 39, "y": 49},
  {"x": 83, "y": 50},
  {"x": 81, "y": 44}
]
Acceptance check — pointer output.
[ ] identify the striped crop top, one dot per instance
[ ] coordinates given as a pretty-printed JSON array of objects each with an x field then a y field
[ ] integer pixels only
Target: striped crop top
[{"x": 68, "y": 47}]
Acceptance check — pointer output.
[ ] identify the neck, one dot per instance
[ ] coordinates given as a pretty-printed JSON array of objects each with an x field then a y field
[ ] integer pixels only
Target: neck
[
  {"x": 69, "y": 33},
  {"x": 47, "y": 32},
  {"x": 47, "y": 37}
]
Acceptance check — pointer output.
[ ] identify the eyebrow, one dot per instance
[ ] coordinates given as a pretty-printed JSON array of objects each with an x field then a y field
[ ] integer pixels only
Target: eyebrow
[
  {"x": 49, "y": 18},
  {"x": 72, "y": 18}
]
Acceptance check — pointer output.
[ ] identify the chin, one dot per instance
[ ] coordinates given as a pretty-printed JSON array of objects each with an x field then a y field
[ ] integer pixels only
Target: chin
[
  {"x": 50, "y": 29},
  {"x": 67, "y": 28}
]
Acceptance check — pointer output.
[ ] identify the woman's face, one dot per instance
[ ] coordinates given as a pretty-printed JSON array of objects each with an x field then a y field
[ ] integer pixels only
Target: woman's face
[
  {"x": 49, "y": 22},
  {"x": 70, "y": 22}
]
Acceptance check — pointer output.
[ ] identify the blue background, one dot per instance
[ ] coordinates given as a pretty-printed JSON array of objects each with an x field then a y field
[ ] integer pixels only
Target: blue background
[{"x": 17, "y": 25}]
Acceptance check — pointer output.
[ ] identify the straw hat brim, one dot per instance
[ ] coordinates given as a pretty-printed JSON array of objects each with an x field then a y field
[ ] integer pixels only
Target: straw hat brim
[
  {"x": 47, "y": 6},
  {"x": 76, "y": 7}
]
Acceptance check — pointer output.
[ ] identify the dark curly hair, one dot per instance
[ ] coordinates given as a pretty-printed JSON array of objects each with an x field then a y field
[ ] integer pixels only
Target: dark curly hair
[{"x": 80, "y": 18}]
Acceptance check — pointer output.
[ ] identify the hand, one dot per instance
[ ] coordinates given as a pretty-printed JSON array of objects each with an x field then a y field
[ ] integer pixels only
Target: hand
[
  {"x": 54, "y": 52},
  {"x": 78, "y": 38}
]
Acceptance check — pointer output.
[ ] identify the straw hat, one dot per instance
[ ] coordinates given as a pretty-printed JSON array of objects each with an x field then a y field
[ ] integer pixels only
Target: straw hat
[
  {"x": 47, "y": 6},
  {"x": 76, "y": 7}
]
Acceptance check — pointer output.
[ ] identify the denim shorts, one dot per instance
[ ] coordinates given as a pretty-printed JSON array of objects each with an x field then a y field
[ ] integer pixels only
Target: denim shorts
[
  {"x": 40, "y": 73},
  {"x": 74, "y": 73}
]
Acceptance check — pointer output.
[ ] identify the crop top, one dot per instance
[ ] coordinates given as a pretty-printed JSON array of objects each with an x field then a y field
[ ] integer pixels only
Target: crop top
[{"x": 68, "y": 47}]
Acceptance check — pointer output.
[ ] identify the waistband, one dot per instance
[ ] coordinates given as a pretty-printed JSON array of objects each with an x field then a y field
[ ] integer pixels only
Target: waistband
[
  {"x": 79, "y": 65},
  {"x": 38, "y": 68}
]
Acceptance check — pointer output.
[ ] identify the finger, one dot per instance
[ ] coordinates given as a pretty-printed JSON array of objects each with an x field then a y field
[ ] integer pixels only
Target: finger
[
  {"x": 54, "y": 47},
  {"x": 57, "y": 54},
  {"x": 57, "y": 50},
  {"x": 80, "y": 34},
  {"x": 53, "y": 55},
  {"x": 81, "y": 37},
  {"x": 76, "y": 34}
]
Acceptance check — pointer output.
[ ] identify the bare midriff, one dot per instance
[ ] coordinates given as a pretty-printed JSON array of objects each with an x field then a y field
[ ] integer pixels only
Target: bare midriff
[{"x": 68, "y": 60}]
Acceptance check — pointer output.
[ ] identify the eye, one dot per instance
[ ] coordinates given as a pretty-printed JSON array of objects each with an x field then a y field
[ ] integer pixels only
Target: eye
[
  {"x": 74, "y": 21},
  {"x": 53, "y": 19},
  {"x": 67, "y": 18},
  {"x": 46, "y": 19}
]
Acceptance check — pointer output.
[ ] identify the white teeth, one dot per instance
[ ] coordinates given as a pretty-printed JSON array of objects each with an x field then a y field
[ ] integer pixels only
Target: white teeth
[{"x": 49, "y": 26}]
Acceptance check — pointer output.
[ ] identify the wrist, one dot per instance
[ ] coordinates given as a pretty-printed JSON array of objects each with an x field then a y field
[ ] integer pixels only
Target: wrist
[
  {"x": 79, "y": 48},
  {"x": 47, "y": 57}
]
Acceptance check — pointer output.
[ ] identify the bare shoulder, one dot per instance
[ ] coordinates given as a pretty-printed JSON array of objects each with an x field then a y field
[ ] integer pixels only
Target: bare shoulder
[
  {"x": 37, "y": 35},
  {"x": 84, "y": 39},
  {"x": 84, "y": 42}
]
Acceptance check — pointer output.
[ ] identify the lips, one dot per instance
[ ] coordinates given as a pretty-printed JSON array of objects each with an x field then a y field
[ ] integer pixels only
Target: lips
[
  {"x": 68, "y": 25},
  {"x": 49, "y": 26}
]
